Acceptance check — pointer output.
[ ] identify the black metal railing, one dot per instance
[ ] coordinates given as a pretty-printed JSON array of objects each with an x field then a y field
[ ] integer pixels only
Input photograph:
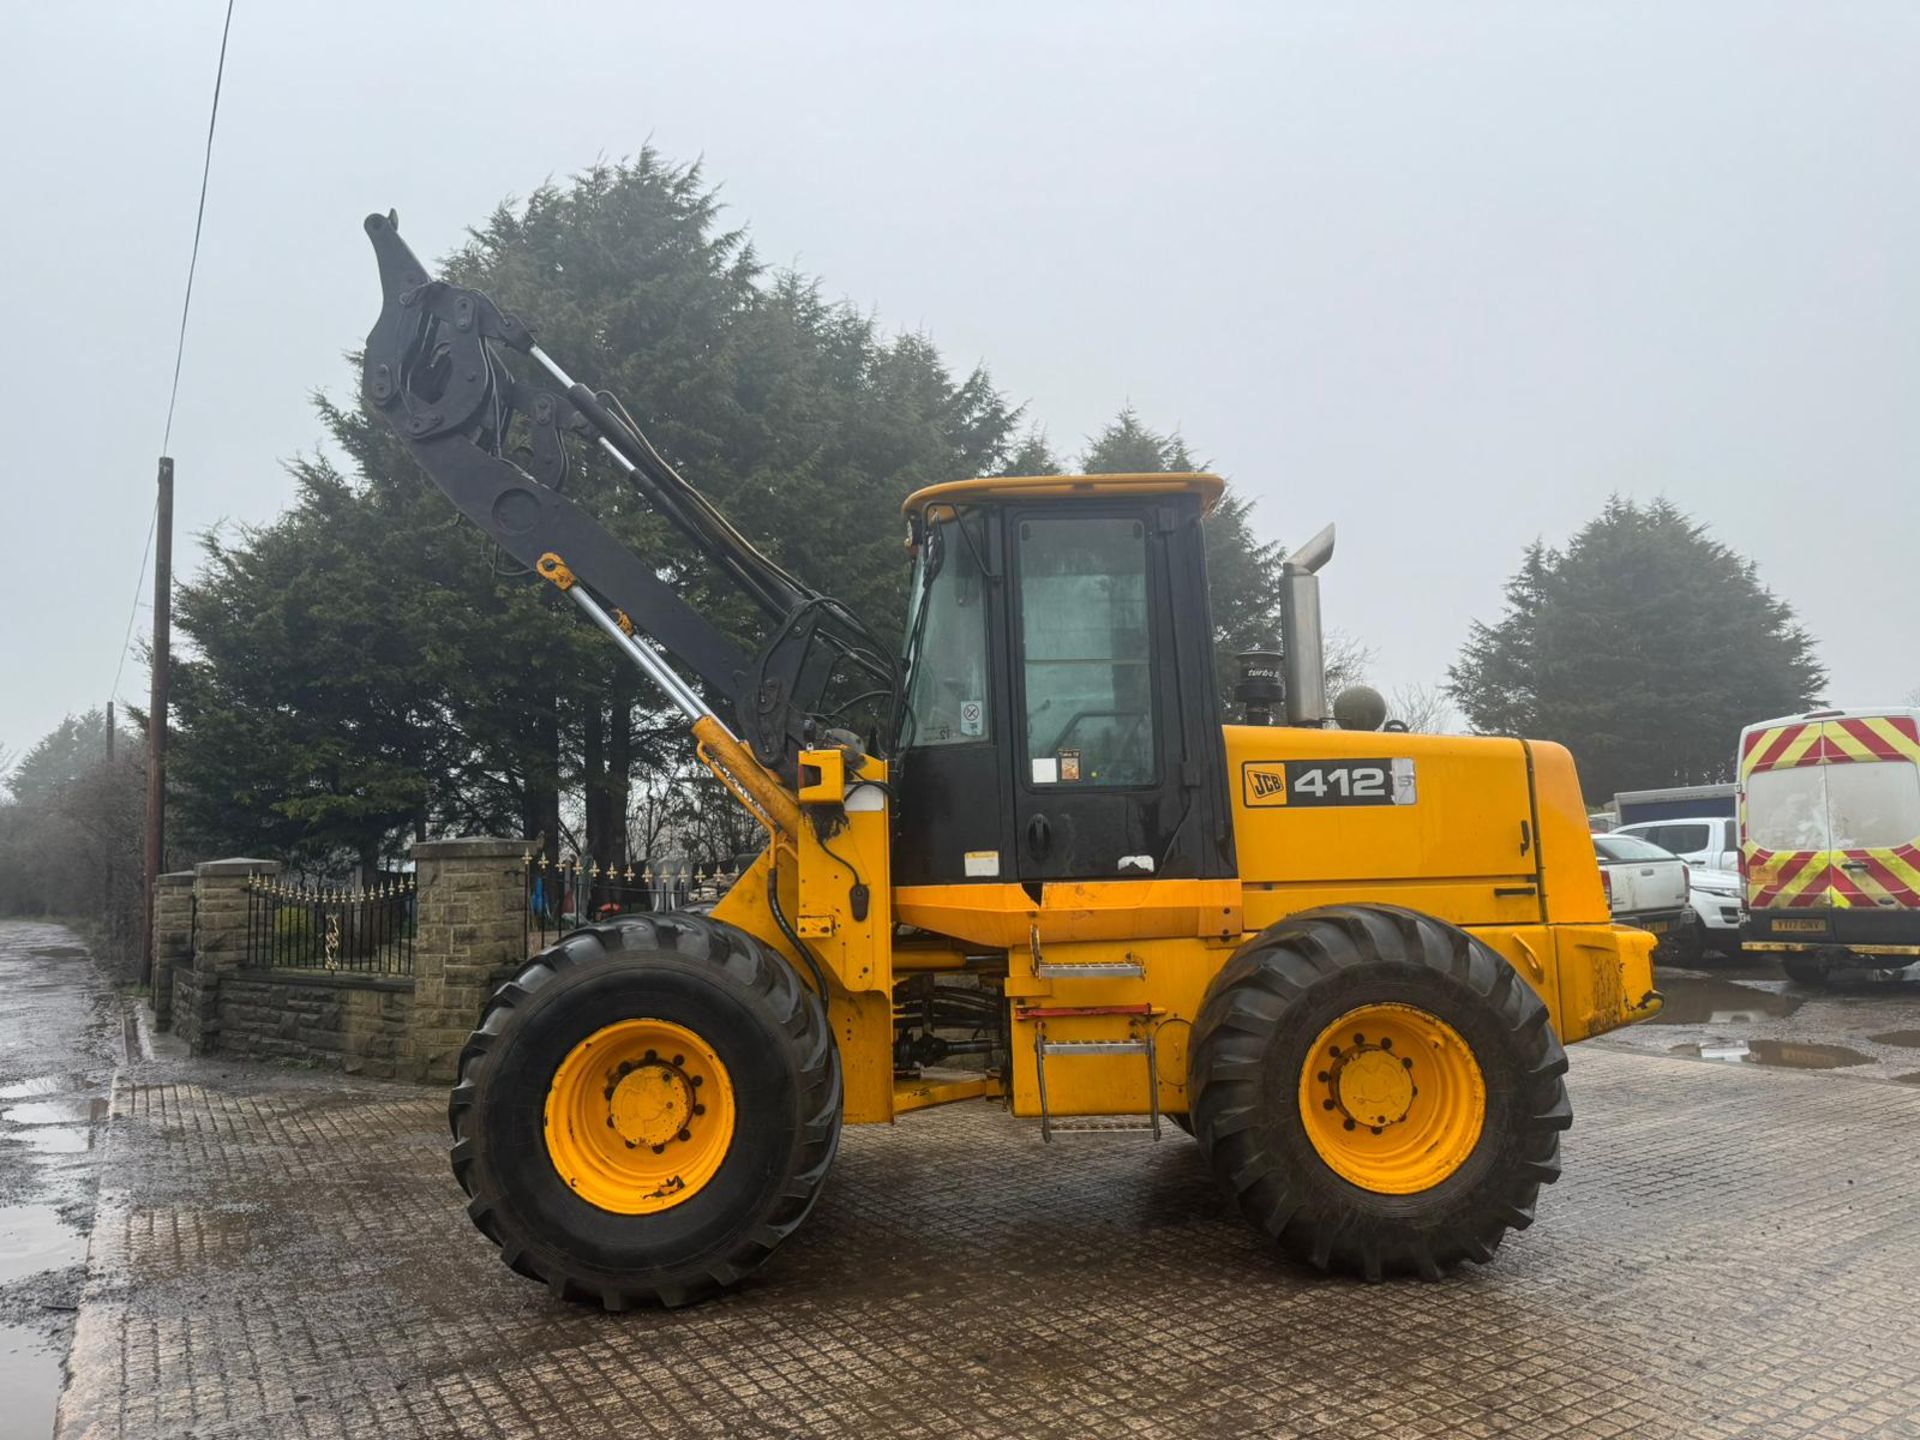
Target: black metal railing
[
  {"x": 563, "y": 895},
  {"x": 366, "y": 930}
]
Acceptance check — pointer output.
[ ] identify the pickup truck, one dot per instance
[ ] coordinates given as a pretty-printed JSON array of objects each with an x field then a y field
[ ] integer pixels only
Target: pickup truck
[
  {"x": 1706, "y": 842},
  {"x": 1646, "y": 886}
]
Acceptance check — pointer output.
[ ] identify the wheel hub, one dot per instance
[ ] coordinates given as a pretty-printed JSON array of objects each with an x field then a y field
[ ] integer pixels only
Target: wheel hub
[
  {"x": 639, "y": 1116},
  {"x": 650, "y": 1104},
  {"x": 1372, "y": 1086}
]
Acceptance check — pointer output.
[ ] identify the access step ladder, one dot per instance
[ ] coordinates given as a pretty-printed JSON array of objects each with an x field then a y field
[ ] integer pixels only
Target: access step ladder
[{"x": 1045, "y": 1049}]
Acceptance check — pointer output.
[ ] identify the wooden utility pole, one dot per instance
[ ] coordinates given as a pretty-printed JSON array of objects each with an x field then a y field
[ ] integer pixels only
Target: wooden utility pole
[
  {"x": 157, "y": 712},
  {"x": 109, "y": 732}
]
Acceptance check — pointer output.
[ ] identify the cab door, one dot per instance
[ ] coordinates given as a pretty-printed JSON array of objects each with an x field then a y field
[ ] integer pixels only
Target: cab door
[{"x": 1112, "y": 685}]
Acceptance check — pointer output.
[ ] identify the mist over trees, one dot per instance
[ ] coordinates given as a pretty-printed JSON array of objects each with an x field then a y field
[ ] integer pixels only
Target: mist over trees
[
  {"x": 1644, "y": 646},
  {"x": 72, "y": 834},
  {"x": 364, "y": 670}
]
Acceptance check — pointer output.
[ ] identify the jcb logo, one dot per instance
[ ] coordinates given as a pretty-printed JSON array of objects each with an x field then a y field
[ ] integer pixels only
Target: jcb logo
[{"x": 1266, "y": 784}]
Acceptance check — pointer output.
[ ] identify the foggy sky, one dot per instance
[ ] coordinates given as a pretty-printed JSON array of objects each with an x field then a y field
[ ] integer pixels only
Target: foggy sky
[{"x": 1445, "y": 274}]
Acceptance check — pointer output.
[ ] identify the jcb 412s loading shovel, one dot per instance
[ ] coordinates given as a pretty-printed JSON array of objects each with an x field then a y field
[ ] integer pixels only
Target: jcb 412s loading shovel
[{"x": 1345, "y": 960}]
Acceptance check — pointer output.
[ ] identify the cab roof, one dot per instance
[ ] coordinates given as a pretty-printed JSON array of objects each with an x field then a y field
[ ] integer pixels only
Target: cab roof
[{"x": 1002, "y": 488}]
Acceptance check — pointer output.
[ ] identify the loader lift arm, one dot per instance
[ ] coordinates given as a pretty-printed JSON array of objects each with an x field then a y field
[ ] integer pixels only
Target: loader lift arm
[{"x": 435, "y": 369}]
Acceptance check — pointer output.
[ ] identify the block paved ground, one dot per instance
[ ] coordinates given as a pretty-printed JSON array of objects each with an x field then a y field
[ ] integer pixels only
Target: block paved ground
[{"x": 1733, "y": 1252}]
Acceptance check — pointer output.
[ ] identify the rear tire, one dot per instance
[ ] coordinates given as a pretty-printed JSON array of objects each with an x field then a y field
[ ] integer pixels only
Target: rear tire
[
  {"x": 1269, "y": 1013},
  {"x": 773, "y": 1057},
  {"x": 1806, "y": 969}
]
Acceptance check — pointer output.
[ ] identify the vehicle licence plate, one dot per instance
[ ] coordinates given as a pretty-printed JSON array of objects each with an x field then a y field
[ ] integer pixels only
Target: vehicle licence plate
[{"x": 1811, "y": 927}]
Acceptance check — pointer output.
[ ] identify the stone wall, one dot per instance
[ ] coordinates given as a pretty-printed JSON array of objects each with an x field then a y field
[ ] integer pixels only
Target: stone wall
[
  {"x": 470, "y": 929},
  {"x": 355, "y": 1023},
  {"x": 219, "y": 946},
  {"x": 172, "y": 938},
  {"x": 472, "y": 923}
]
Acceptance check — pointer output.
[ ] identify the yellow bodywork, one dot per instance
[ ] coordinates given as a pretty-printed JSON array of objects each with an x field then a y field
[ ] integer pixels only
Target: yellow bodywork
[{"x": 1494, "y": 840}]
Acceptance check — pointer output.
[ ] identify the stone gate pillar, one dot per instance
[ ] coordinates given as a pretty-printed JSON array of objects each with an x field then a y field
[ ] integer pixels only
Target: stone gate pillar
[
  {"x": 219, "y": 946},
  {"x": 172, "y": 938},
  {"x": 472, "y": 922}
]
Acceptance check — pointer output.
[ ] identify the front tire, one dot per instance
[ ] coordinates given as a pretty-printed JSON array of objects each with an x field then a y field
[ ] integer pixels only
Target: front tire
[
  {"x": 1380, "y": 1091},
  {"x": 646, "y": 1111}
]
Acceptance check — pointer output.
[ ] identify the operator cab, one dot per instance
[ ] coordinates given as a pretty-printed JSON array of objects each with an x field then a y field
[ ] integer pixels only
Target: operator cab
[{"x": 1060, "y": 716}]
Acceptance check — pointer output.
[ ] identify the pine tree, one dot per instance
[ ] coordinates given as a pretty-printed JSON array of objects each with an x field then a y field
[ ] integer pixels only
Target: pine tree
[{"x": 1644, "y": 646}]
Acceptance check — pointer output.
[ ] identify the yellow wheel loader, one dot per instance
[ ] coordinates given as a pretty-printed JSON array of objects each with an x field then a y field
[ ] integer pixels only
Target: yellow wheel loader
[{"x": 1344, "y": 959}]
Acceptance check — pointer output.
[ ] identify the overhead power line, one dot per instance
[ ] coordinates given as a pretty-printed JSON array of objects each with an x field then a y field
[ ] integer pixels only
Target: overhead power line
[
  {"x": 199, "y": 220},
  {"x": 180, "y": 343}
]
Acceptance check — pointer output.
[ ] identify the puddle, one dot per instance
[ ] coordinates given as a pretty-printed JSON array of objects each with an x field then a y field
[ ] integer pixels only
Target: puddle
[
  {"x": 67, "y": 1110},
  {"x": 1912, "y": 1078},
  {"x": 1788, "y": 1054},
  {"x": 34, "y": 1238},
  {"x": 1720, "y": 1002},
  {"x": 52, "y": 1139},
  {"x": 34, "y": 1085},
  {"x": 57, "y": 952},
  {"x": 30, "y": 1381},
  {"x": 1906, "y": 1039}
]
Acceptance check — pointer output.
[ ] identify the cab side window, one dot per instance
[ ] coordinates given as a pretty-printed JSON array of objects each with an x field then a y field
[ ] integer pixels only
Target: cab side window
[{"x": 1085, "y": 652}]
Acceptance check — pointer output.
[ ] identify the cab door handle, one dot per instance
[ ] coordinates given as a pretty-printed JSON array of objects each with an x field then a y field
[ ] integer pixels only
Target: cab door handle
[{"x": 1039, "y": 837}]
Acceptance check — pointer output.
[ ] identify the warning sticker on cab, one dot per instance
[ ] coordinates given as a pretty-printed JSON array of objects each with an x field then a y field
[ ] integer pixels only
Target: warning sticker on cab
[{"x": 1304, "y": 783}]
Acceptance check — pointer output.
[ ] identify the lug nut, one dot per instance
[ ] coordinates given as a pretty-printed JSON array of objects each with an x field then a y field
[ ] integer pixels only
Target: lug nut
[{"x": 1349, "y": 1125}]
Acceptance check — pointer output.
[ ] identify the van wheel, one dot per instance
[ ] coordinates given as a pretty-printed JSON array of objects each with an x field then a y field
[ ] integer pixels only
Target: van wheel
[
  {"x": 1380, "y": 1091},
  {"x": 1806, "y": 969}
]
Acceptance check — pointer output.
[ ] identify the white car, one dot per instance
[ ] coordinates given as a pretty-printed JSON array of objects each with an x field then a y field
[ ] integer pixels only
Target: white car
[
  {"x": 1715, "y": 923},
  {"x": 1646, "y": 886}
]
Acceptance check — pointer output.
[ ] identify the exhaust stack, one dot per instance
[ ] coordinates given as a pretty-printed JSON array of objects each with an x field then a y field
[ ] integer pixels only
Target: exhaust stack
[{"x": 1303, "y": 653}]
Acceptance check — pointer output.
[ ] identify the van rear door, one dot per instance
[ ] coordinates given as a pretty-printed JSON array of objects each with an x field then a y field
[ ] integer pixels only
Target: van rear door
[
  {"x": 1872, "y": 766},
  {"x": 1783, "y": 800}
]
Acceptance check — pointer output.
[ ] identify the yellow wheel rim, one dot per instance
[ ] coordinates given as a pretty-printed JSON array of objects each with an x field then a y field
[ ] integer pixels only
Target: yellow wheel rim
[
  {"x": 1392, "y": 1098},
  {"x": 639, "y": 1116}
]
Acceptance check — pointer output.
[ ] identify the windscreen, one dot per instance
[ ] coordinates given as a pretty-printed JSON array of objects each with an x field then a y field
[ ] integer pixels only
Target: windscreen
[{"x": 1628, "y": 848}]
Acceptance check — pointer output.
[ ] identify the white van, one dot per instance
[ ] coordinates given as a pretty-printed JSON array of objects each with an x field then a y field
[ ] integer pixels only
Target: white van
[{"x": 1830, "y": 838}]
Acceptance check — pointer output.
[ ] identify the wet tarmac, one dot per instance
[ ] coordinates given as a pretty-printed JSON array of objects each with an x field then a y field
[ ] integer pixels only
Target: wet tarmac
[
  {"x": 58, "y": 1028},
  {"x": 1861, "y": 1025}
]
